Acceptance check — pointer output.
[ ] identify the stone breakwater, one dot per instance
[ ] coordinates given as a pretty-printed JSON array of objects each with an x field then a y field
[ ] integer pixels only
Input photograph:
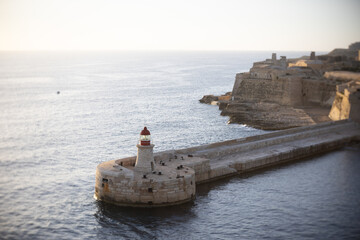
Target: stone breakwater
[{"x": 186, "y": 167}]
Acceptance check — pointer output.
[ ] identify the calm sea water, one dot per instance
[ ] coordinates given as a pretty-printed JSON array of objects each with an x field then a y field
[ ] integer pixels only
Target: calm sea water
[{"x": 51, "y": 144}]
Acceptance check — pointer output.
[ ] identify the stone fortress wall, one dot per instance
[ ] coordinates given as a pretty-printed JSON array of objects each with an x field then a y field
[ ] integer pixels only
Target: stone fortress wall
[
  {"x": 257, "y": 89},
  {"x": 272, "y": 81}
]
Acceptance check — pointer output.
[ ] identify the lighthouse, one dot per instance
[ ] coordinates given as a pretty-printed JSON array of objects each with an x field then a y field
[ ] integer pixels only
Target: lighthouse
[
  {"x": 145, "y": 160},
  {"x": 138, "y": 182}
]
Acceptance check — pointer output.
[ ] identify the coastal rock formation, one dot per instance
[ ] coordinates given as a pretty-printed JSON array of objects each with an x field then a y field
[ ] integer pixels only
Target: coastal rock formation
[
  {"x": 347, "y": 102},
  {"x": 211, "y": 99},
  {"x": 267, "y": 116},
  {"x": 208, "y": 99},
  {"x": 285, "y": 93}
]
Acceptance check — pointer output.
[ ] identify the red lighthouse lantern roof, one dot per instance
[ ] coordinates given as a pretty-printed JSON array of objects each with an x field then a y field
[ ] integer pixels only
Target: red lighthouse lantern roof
[{"x": 145, "y": 131}]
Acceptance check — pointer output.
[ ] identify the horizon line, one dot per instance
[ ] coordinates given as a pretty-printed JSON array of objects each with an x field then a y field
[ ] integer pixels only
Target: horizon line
[{"x": 156, "y": 50}]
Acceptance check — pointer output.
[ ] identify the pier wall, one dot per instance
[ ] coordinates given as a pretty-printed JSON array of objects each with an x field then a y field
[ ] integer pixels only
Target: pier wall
[
  {"x": 248, "y": 154},
  {"x": 120, "y": 185},
  {"x": 222, "y": 159}
]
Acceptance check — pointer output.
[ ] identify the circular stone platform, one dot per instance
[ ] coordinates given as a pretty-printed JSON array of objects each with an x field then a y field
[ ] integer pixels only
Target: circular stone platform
[{"x": 120, "y": 183}]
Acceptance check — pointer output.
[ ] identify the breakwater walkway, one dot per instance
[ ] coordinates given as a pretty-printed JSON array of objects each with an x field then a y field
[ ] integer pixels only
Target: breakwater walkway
[
  {"x": 169, "y": 177},
  {"x": 226, "y": 158}
]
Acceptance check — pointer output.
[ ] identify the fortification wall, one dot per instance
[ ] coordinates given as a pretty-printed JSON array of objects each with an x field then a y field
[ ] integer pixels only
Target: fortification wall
[
  {"x": 354, "y": 100},
  {"x": 238, "y": 79},
  {"x": 295, "y": 94},
  {"x": 291, "y": 90},
  {"x": 266, "y": 90},
  {"x": 316, "y": 92}
]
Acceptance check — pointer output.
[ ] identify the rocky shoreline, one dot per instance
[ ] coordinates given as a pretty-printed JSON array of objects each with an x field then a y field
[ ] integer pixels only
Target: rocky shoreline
[{"x": 281, "y": 94}]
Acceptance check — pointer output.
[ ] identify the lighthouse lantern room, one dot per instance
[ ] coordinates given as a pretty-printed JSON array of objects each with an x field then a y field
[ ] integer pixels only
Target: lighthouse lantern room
[{"x": 145, "y": 137}]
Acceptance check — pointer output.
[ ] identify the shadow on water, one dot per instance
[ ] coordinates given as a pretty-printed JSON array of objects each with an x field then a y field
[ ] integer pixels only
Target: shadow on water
[
  {"x": 203, "y": 189},
  {"x": 119, "y": 213},
  {"x": 147, "y": 223},
  {"x": 140, "y": 223}
]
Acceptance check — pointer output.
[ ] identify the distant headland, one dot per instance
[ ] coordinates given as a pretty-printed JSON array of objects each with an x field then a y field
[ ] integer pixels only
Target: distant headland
[{"x": 285, "y": 93}]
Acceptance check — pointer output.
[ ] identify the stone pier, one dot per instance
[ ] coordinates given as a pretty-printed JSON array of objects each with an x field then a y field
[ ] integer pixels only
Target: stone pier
[
  {"x": 200, "y": 164},
  {"x": 248, "y": 154}
]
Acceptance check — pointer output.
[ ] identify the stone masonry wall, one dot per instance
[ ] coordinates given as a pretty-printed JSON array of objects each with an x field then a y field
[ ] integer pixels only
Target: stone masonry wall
[
  {"x": 266, "y": 90},
  {"x": 122, "y": 186},
  {"x": 317, "y": 92},
  {"x": 291, "y": 90}
]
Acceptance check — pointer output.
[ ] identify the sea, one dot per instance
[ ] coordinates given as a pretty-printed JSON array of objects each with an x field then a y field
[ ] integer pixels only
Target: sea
[{"x": 63, "y": 113}]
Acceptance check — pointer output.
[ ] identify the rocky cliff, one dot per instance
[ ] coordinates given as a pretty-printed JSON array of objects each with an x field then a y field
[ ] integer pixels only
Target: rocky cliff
[
  {"x": 347, "y": 101},
  {"x": 280, "y": 93}
]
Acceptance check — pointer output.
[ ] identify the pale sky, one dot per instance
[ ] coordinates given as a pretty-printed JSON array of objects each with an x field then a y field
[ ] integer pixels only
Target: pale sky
[{"x": 319, "y": 25}]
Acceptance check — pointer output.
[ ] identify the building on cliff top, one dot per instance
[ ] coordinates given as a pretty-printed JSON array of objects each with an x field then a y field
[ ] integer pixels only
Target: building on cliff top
[
  {"x": 272, "y": 63},
  {"x": 285, "y": 83},
  {"x": 344, "y": 57}
]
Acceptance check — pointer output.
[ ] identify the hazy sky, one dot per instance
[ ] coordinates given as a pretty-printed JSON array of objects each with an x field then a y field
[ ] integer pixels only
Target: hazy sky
[{"x": 178, "y": 24}]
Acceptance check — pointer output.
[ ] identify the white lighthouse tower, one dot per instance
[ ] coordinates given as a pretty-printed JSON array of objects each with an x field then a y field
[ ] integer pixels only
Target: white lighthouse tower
[{"x": 145, "y": 160}]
